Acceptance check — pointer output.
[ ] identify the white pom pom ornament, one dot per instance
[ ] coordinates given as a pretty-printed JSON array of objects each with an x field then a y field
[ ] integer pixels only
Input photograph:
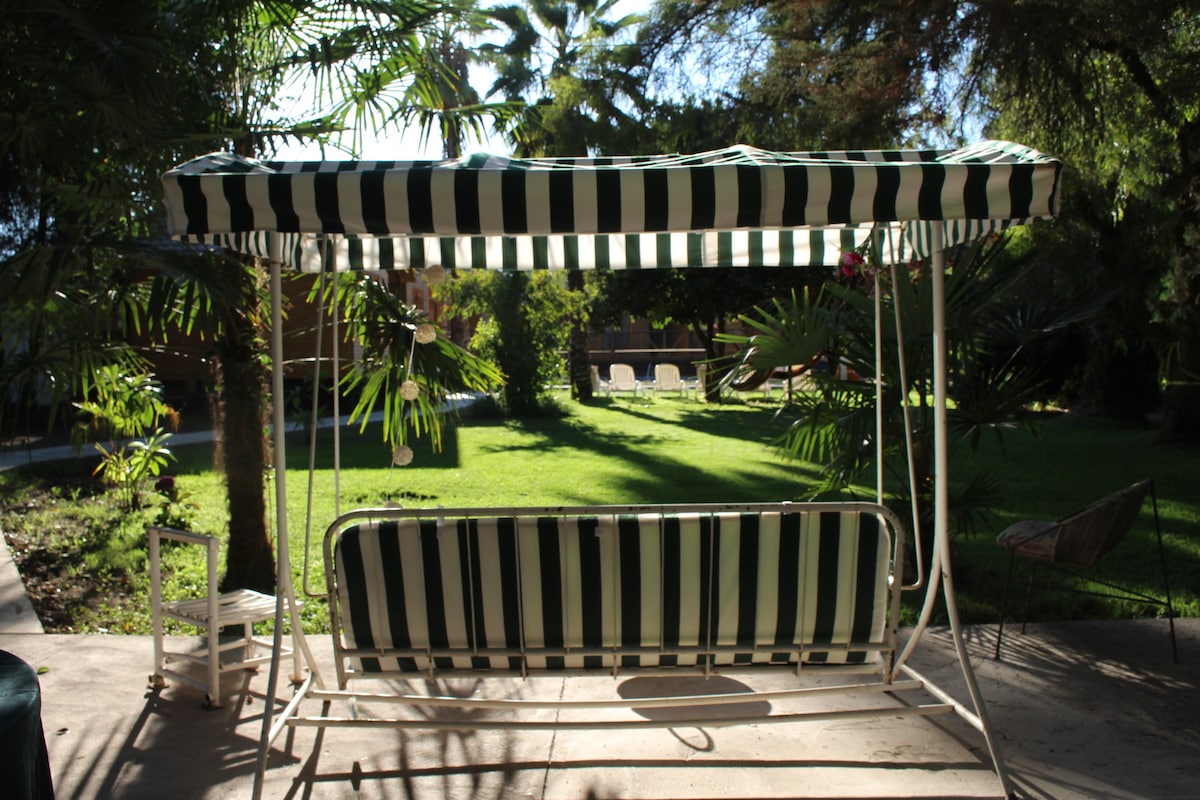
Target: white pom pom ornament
[{"x": 426, "y": 333}]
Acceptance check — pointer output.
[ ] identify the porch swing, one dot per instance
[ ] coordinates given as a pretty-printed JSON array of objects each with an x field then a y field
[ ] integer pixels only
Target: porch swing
[{"x": 708, "y": 589}]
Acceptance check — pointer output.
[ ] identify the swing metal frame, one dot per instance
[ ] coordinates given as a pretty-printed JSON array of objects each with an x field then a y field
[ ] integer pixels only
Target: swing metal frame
[{"x": 987, "y": 203}]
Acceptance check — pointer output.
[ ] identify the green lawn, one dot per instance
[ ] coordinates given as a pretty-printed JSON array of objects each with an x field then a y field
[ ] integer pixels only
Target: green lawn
[
  {"x": 1072, "y": 461},
  {"x": 674, "y": 450}
]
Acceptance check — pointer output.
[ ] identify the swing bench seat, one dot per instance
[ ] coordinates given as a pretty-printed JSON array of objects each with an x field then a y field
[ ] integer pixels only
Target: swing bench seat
[
  {"x": 1074, "y": 544},
  {"x": 617, "y": 591}
]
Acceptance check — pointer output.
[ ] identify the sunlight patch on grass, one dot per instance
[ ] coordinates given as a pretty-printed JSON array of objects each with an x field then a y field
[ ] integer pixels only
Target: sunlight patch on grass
[{"x": 618, "y": 451}]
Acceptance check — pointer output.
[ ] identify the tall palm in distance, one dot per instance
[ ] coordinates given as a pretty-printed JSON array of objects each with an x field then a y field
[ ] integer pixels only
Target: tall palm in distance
[{"x": 575, "y": 68}]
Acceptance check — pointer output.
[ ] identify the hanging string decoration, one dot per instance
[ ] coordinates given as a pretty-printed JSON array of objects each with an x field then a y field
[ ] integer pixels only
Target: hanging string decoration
[
  {"x": 402, "y": 456},
  {"x": 410, "y": 390}
]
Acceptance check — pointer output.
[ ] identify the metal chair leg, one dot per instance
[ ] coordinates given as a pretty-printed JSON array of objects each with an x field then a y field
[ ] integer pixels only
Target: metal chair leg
[
  {"x": 1028, "y": 595},
  {"x": 1162, "y": 560},
  {"x": 1012, "y": 560}
]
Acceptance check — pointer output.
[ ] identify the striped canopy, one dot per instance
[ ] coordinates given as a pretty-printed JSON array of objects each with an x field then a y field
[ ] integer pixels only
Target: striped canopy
[{"x": 736, "y": 207}]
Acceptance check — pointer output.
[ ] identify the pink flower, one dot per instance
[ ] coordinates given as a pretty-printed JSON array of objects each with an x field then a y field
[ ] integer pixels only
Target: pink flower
[{"x": 849, "y": 263}]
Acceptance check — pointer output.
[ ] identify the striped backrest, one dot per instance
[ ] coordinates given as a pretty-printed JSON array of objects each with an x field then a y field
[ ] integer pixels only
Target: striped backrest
[{"x": 610, "y": 591}]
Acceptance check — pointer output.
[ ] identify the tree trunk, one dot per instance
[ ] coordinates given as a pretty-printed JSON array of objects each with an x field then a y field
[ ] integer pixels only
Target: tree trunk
[
  {"x": 1181, "y": 401},
  {"x": 706, "y": 332},
  {"x": 249, "y": 559},
  {"x": 579, "y": 366}
]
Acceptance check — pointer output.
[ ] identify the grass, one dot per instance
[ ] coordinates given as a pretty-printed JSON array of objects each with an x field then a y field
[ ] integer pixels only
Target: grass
[
  {"x": 1071, "y": 461},
  {"x": 617, "y": 451}
]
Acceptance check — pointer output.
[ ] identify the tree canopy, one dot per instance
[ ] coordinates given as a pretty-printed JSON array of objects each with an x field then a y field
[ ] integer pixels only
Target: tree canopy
[
  {"x": 99, "y": 99},
  {"x": 1110, "y": 87}
]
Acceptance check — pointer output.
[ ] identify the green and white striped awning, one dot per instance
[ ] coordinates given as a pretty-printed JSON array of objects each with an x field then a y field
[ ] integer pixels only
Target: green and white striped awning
[{"x": 735, "y": 207}]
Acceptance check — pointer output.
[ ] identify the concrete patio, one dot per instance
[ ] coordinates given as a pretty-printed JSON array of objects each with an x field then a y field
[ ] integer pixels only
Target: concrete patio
[{"x": 1082, "y": 710}]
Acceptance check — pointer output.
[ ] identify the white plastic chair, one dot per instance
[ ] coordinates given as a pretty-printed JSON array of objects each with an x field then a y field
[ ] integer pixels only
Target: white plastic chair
[
  {"x": 667, "y": 379},
  {"x": 210, "y": 613},
  {"x": 701, "y": 380},
  {"x": 622, "y": 378}
]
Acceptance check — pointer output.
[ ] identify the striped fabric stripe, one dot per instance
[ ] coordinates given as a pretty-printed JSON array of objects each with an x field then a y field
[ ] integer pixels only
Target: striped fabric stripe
[
  {"x": 802, "y": 247},
  {"x": 501, "y": 213},
  {"x": 593, "y": 592}
]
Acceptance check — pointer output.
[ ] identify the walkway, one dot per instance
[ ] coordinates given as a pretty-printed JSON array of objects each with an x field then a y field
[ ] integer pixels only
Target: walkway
[{"x": 1082, "y": 710}]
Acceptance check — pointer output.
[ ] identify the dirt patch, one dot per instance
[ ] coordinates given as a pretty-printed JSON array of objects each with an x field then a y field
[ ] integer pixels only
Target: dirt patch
[{"x": 64, "y": 533}]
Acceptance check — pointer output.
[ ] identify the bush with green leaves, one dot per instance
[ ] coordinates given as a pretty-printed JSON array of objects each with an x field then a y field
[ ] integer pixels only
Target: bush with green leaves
[
  {"x": 126, "y": 411},
  {"x": 992, "y": 320},
  {"x": 523, "y": 320}
]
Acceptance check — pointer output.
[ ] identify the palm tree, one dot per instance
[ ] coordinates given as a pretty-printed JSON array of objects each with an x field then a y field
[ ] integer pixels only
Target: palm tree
[
  {"x": 568, "y": 62},
  {"x": 440, "y": 99},
  {"x": 356, "y": 64},
  {"x": 86, "y": 136}
]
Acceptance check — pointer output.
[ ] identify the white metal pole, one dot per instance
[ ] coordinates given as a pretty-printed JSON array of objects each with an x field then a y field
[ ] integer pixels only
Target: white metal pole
[
  {"x": 337, "y": 379},
  {"x": 283, "y": 569},
  {"x": 941, "y": 508},
  {"x": 876, "y": 261},
  {"x": 314, "y": 422},
  {"x": 941, "y": 447}
]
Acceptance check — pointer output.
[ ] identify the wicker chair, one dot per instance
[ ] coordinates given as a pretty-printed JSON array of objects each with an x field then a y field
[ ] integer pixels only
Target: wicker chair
[{"x": 1075, "y": 543}]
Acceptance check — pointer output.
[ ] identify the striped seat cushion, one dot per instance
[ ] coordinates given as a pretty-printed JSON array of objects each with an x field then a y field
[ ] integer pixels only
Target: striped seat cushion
[{"x": 594, "y": 592}]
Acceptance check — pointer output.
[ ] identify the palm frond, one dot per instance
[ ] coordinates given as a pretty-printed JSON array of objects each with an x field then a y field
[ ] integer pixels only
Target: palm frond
[
  {"x": 198, "y": 291},
  {"x": 386, "y": 328},
  {"x": 790, "y": 334}
]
